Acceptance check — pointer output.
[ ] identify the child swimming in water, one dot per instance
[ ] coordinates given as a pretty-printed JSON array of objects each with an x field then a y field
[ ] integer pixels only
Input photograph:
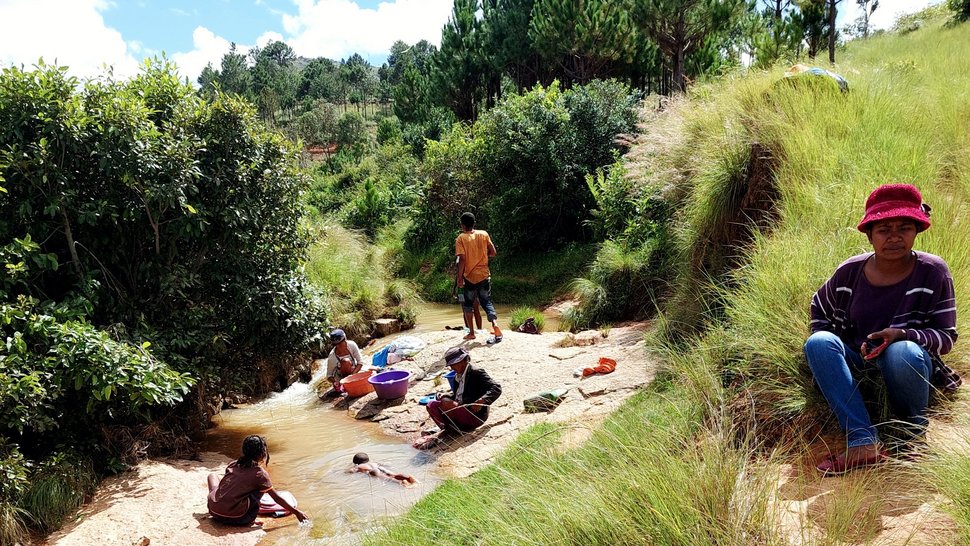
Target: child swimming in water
[
  {"x": 234, "y": 498},
  {"x": 362, "y": 463}
]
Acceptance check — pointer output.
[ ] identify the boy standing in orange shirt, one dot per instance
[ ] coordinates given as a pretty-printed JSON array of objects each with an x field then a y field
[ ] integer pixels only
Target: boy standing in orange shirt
[{"x": 474, "y": 247}]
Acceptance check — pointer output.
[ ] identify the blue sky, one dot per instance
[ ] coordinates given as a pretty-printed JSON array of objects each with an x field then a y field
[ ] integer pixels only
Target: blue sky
[
  {"x": 168, "y": 24},
  {"x": 87, "y": 34}
]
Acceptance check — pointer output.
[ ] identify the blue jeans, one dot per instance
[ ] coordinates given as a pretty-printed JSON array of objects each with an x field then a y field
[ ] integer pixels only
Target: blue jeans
[
  {"x": 482, "y": 291},
  {"x": 904, "y": 366}
]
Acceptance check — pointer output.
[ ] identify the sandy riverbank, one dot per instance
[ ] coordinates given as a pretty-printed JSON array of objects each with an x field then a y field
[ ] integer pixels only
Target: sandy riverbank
[{"x": 164, "y": 502}]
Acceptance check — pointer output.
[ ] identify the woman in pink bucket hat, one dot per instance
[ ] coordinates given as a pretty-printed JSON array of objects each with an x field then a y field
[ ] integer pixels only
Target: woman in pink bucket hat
[{"x": 885, "y": 316}]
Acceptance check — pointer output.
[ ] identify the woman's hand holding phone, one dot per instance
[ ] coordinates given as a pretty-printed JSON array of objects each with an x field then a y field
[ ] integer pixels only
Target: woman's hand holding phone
[
  {"x": 877, "y": 342},
  {"x": 872, "y": 348}
]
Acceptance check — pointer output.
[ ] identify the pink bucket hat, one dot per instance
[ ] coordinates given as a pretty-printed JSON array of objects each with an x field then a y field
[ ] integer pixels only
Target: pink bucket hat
[{"x": 896, "y": 201}]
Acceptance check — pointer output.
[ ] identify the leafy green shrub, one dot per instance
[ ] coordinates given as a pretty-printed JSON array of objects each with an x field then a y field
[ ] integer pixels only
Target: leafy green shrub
[
  {"x": 352, "y": 130},
  {"x": 13, "y": 484},
  {"x": 388, "y": 130},
  {"x": 370, "y": 210},
  {"x": 149, "y": 241},
  {"x": 518, "y": 316},
  {"x": 59, "y": 374},
  {"x": 437, "y": 122},
  {"x": 621, "y": 283},
  {"x": 318, "y": 125},
  {"x": 629, "y": 269},
  {"x": 522, "y": 166},
  {"x": 186, "y": 214},
  {"x": 942, "y": 11}
]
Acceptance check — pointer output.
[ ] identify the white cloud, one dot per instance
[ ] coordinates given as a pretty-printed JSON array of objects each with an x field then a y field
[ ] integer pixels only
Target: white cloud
[
  {"x": 207, "y": 48},
  {"x": 268, "y": 37},
  {"x": 886, "y": 14},
  {"x": 71, "y": 33},
  {"x": 338, "y": 28}
]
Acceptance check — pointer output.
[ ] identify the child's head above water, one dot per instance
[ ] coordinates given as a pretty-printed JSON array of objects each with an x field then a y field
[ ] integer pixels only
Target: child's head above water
[
  {"x": 361, "y": 458},
  {"x": 253, "y": 450}
]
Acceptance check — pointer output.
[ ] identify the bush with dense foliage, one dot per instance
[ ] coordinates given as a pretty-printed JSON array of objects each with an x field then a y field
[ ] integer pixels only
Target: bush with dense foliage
[
  {"x": 149, "y": 242},
  {"x": 522, "y": 166},
  {"x": 629, "y": 270}
]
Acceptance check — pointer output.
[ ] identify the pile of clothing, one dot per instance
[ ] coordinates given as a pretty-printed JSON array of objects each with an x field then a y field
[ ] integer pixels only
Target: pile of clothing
[{"x": 397, "y": 350}]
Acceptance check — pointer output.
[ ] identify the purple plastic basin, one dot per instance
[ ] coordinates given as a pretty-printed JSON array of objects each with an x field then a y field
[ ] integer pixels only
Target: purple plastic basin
[{"x": 391, "y": 384}]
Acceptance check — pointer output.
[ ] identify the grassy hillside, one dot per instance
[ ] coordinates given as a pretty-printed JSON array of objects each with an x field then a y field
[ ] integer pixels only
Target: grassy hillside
[{"x": 769, "y": 181}]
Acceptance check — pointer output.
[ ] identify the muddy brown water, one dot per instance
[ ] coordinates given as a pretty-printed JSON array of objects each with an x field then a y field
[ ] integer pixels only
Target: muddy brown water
[{"x": 311, "y": 446}]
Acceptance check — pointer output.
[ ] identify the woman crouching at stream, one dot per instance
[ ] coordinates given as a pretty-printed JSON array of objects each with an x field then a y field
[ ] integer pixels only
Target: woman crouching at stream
[{"x": 234, "y": 499}]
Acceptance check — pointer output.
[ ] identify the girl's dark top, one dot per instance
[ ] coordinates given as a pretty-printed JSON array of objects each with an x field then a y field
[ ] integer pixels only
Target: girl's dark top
[{"x": 232, "y": 498}]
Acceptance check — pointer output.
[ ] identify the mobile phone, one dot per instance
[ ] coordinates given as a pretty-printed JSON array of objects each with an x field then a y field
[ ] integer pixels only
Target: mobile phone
[{"x": 873, "y": 344}]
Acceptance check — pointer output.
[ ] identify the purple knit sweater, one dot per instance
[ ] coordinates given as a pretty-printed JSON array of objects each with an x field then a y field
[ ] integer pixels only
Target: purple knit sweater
[{"x": 927, "y": 312}]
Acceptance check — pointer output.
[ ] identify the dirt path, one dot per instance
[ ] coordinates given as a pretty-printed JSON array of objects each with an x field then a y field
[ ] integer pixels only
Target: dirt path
[{"x": 164, "y": 502}]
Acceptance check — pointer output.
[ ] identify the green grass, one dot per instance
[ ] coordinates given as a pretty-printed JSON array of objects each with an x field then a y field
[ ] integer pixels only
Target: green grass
[
  {"x": 12, "y": 527},
  {"x": 697, "y": 462},
  {"x": 520, "y": 314},
  {"x": 54, "y": 495},
  {"x": 906, "y": 119},
  {"x": 357, "y": 280},
  {"x": 949, "y": 472},
  {"x": 676, "y": 485}
]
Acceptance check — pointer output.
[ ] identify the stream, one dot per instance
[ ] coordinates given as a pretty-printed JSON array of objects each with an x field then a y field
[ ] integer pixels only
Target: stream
[{"x": 311, "y": 446}]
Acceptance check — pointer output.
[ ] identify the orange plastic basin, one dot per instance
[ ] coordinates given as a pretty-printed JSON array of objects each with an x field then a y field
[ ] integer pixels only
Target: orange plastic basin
[{"x": 357, "y": 385}]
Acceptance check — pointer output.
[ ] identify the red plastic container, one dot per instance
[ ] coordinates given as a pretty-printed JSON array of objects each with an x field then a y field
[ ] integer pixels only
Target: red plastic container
[{"x": 356, "y": 385}]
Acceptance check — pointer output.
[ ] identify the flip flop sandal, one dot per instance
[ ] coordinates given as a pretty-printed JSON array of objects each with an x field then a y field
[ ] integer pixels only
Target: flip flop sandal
[
  {"x": 493, "y": 340},
  {"x": 836, "y": 465}
]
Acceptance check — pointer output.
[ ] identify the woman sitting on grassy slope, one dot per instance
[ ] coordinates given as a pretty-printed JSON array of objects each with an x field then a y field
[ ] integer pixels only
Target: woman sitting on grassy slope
[{"x": 888, "y": 313}]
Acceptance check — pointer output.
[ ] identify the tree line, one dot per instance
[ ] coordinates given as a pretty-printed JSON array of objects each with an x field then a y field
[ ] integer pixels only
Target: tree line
[{"x": 492, "y": 47}]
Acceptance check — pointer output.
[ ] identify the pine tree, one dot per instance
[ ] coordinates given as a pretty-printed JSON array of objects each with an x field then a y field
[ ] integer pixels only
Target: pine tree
[
  {"x": 813, "y": 24},
  {"x": 459, "y": 64},
  {"x": 680, "y": 27},
  {"x": 587, "y": 38},
  {"x": 234, "y": 76},
  {"x": 506, "y": 43}
]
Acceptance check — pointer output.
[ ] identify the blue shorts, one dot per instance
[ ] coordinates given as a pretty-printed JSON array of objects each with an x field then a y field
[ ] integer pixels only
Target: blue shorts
[{"x": 482, "y": 291}]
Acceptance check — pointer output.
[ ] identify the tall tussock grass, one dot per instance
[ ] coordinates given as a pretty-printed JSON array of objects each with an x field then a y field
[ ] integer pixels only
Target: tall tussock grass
[
  {"x": 56, "y": 491},
  {"x": 904, "y": 120},
  {"x": 650, "y": 475},
  {"x": 698, "y": 457},
  {"x": 356, "y": 277}
]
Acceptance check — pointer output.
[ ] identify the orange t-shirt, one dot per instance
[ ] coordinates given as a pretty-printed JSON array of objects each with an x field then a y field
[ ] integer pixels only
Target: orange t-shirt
[{"x": 473, "y": 245}]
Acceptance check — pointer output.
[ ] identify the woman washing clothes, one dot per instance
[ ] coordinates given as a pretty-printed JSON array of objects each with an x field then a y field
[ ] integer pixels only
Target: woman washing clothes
[
  {"x": 344, "y": 359},
  {"x": 886, "y": 315}
]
